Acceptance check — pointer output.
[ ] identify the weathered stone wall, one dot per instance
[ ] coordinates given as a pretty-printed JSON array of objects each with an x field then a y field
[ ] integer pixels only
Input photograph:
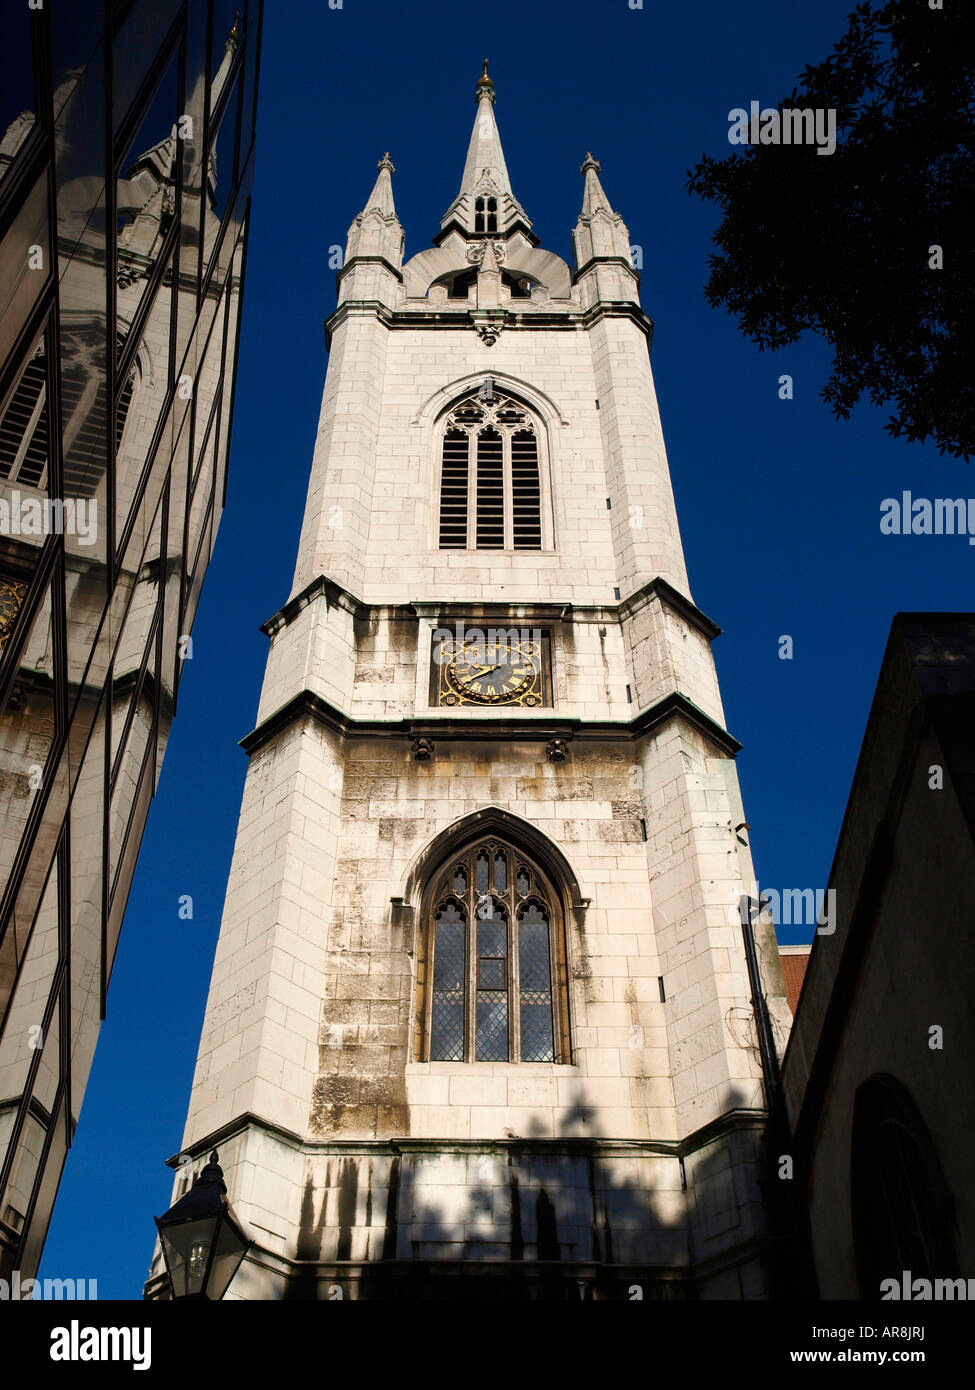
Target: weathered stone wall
[{"x": 646, "y": 1130}]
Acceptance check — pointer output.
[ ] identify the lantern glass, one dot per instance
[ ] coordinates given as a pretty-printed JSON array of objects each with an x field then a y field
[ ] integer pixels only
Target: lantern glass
[{"x": 202, "y": 1241}]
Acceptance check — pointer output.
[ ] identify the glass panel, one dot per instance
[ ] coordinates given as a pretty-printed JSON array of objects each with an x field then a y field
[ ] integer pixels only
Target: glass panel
[
  {"x": 483, "y": 871},
  {"x": 86, "y": 908},
  {"x": 537, "y": 1038},
  {"x": 232, "y": 297},
  {"x": 44, "y": 941},
  {"x": 85, "y": 599},
  {"x": 28, "y": 725},
  {"x": 15, "y": 932},
  {"x": 26, "y": 1032},
  {"x": 146, "y": 197},
  {"x": 128, "y": 769},
  {"x": 228, "y": 29},
  {"x": 221, "y": 170},
  {"x": 77, "y": 41},
  {"x": 491, "y": 1021},
  {"x": 136, "y": 45},
  {"x": 85, "y": 350},
  {"x": 22, "y": 275},
  {"x": 220, "y": 246},
  {"x": 492, "y": 929},
  {"x": 492, "y": 1027},
  {"x": 249, "y": 40},
  {"x": 460, "y": 880},
  {"x": 16, "y": 1196},
  {"x": 491, "y": 973},
  {"x": 172, "y": 661},
  {"x": 449, "y": 971},
  {"x": 133, "y": 839},
  {"x": 79, "y": 140},
  {"x": 142, "y": 546},
  {"x": 523, "y": 881},
  {"x": 208, "y": 390},
  {"x": 47, "y": 1190},
  {"x": 500, "y": 872},
  {"x": 17, "y": 101},
  {"x": 198, "y": 573},
  {"x": 205, "y": 439},
  {"x": 228, "y": 1252},
  {"x": 137, "y": 632},
  {"x": 84, "y": 412},
  {"x": 141, "y": 400}
]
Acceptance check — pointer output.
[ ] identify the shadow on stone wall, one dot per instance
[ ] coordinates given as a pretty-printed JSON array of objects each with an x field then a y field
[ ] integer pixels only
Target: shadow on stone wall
[{"x": 535, "y": 1218}]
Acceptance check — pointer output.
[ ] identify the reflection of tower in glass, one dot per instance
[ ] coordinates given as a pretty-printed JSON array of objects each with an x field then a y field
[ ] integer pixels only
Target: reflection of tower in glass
[{"x": 118, "y": 347}]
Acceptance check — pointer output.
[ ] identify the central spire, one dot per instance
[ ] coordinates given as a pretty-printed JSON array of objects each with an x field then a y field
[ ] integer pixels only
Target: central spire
[{"x": 485, "y": 203}]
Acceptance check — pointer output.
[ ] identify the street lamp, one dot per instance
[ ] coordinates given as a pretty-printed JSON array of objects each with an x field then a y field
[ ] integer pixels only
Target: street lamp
[{"x": 202, "y": 1241}]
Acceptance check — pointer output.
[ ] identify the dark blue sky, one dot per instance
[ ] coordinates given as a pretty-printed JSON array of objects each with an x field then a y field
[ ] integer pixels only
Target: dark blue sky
[{"x": 779, "y": 504}]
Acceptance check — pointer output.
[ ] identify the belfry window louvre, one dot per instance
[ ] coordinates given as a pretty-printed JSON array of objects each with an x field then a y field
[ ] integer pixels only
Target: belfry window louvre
[
  {"x": 24, "y": 427},
  {"x": 490, "y": 483},
  {"x": 494, "y": 961}
]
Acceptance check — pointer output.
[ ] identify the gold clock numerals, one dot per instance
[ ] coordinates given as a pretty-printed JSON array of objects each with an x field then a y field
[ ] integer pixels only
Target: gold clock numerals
[
  {"x": 476, "y": 673},
  {"x": 12, "y": 593}
]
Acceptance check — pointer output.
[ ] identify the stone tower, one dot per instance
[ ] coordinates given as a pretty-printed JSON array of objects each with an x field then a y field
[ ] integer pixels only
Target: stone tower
[{"x": 480, "y": 1006}]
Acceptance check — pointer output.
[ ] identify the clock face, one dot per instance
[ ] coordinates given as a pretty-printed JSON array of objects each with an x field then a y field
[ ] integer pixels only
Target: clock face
[
  {"x": 12, "y": 593},
  {"x": 490, "y": 673}
]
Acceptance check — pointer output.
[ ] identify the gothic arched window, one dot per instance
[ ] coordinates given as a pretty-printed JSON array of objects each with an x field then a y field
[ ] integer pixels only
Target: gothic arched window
[
  {"x": 494, "y": 960},
  {"x": 901, "y": 1205},
  {"x": 490, "y": 482}
]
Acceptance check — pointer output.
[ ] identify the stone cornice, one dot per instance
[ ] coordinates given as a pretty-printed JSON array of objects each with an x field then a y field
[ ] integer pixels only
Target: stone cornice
[
  {"x": 367, "y": 260},
  {"x": 569, "y": 320},
  {"x": 334, "y": 595},
  {"x": 730, "y": 1122},
  {"x": 518, "y": 225},
  {"x": 604, "y": 260},
  {"x": 549, "y": 611},
  {"x": 659, "y": 589},
  {"x": 512, "y": 728}
]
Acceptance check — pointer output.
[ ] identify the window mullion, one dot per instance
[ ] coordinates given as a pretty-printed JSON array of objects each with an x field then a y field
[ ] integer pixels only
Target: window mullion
[
  {"x": 557, "y": 986},
  {"x": 470, "y": 997},
  {"x": 509, "y": 524},
  {"x": 545, "y": 507},
  {"x": 514, "y": 977},
  {"x": 471, "y": 489}
]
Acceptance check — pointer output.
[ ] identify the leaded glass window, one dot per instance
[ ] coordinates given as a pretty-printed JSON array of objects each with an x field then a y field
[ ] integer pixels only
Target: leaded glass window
[
  {"x": 449, "y": 974},
  {"x": 495, "y": 993}
]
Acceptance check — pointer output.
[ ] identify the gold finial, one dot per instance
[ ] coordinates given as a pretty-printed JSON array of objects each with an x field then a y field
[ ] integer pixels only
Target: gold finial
[
  {"x": 484, "y": 83},
  {"x": 233, "y": 36}
]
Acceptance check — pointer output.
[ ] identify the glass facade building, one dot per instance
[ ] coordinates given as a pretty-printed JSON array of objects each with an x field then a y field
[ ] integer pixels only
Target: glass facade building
[{"x": 126, "y": 155}]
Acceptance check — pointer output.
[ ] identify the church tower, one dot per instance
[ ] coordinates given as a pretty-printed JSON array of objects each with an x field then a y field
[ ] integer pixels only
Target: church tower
[{"x": 479, "y": 1016}]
